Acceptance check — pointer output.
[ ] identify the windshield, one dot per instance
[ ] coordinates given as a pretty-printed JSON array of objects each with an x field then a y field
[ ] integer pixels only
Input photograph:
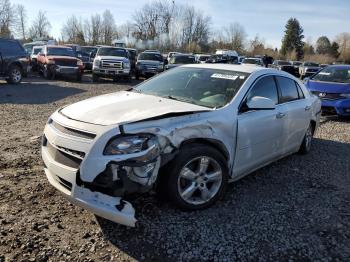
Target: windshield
[
  {"x": 333, "y": 74},
  {"x": 203, "y": 58},
  {"x": 88, "y": 50},
  {"x": 60, "y": 51},
  {"x": 182, "y": 60},
  {"x": 150, "y": 56},
  {"x": 251, "y": 61},
  {"x": 36, "y": 50},
  {"x": 283, "y": 63},
  {"x": 210, "y": 88},
  {"x": 296, "y": 63},
  {"x": 110, "y": 51},
  {"x": 311, "y": 64}
]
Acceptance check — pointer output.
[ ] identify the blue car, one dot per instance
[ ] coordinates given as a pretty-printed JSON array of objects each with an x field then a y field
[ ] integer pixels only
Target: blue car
[{"x": 332, "y": 86}]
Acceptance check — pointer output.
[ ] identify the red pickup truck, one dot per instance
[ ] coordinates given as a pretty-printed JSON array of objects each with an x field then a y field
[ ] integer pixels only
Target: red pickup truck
[{"x": 59, "y": 60}]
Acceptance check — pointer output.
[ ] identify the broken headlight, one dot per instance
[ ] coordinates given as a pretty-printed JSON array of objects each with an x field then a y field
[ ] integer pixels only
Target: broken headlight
[{"x": 128, "y": 144}]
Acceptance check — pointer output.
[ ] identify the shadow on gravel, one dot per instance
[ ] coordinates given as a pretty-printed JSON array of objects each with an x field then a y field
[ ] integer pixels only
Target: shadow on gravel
[
  {"x": 35, "y": 93},
  {"x": 280, "y": 210}
]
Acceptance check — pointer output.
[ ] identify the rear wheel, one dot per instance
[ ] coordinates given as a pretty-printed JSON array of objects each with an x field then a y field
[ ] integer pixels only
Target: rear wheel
[
  {"x": 78, "y": 77},
  {"x": 307, "y": 141},
  {"x": 197, "y": 177},
  {"x": 15, "y": 75},
  {"x": 95, "y": 78},
  {"x": 47, "y": 73}
]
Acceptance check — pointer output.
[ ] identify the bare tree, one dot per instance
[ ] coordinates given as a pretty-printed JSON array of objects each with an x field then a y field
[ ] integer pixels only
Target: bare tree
[
  {"x": 40, "y": 27},
  {"x": 72, "y": 31},
  {"x": 235, "y": 36},
  {"x": 343, "y": 41},
  {"x": 7, "y": 18},
  {"x": 256, "y": 46},
  {"x": 21, "y": 23},
  {"x": 109, "y": 31},
  {"x": 96, "y": 29}
]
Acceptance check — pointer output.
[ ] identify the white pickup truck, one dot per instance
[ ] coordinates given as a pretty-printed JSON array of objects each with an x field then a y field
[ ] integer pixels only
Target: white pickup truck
[{"x": 111, "y": 62}]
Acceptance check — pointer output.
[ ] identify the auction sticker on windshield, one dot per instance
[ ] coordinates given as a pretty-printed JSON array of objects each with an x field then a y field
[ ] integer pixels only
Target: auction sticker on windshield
[{"x": 224, "y": 76}]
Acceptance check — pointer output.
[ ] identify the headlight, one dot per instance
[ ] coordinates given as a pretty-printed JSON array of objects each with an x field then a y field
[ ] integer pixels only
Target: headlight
[
  {"x": 345, "y": 95},
  {"x": 160, "y": 66},
  {"x": 79, "y": 63},
  {"x": 51, "y": 62},
  {"x": 128, "y": 144},
  {"x": 97, "y": 62},
  {"x": 126, "y": 65}
]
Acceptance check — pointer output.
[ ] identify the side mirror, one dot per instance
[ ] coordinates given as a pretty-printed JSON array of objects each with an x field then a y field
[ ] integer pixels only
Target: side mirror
[
  {"x": 306, "y": 79},
  {"x": 260, "y": 103}
]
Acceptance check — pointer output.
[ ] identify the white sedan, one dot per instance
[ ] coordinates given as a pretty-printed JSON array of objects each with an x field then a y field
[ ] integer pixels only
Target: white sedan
[{"x": 186, "y": 132}]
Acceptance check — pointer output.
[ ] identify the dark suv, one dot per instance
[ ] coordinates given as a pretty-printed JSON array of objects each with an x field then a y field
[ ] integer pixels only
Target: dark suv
[{"x": 14, "y": 61}]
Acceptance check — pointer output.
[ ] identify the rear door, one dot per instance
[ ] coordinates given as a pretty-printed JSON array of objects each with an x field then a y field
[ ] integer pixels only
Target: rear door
[
  {"x": 259, "y": 134},
  {"x": 296, "y": 113}
]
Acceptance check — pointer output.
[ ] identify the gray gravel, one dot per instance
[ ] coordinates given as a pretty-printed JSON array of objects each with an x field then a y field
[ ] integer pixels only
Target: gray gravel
[{"x": 294, "y": 209}]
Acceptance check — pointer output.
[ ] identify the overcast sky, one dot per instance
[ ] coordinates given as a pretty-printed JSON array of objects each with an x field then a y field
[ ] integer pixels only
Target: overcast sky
[{"x": 263, "y": 17}]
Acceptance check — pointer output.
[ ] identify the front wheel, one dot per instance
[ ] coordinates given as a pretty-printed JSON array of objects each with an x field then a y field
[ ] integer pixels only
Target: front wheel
[
  {"x": 79, "y": 77},
  {"x": 15, "y": 75},
  {"x": 95, "y": 78},
  {"x": 307, "y": 141},
  {"x": 197, "y": 177}
]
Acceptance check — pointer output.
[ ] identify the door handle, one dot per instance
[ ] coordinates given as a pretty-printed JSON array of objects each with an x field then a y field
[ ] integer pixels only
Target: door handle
[
  {"x": 280, "y": 115},
  {"x": 307, "y": 108}
]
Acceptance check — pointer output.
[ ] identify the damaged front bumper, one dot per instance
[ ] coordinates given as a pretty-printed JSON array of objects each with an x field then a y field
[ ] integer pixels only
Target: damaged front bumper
[{"x": 76, "y": 166}]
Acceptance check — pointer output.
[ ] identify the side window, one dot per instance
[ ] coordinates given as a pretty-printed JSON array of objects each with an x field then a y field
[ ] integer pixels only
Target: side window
[
  {"x": 289, "y": 91},
  {"x": 10, "y": 47},
  {"x": 300, "y": 91},
  {"x": 265, "y": 87}
]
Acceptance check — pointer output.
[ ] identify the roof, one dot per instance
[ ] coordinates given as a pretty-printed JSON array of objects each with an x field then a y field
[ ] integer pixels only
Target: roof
[
  {"x": 58, "y": 46},
  {"x": 340, "y": 66},
  {"x": 238, "y": 68}
]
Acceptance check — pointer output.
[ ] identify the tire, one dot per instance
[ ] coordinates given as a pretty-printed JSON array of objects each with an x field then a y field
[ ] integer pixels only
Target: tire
[
  {"x": 15, "y": 75},
  {"x": 95, "y": 78},
  {"x": 47, "y": 73},
  {"x": 78, "y": 77},
  {"x": 198, "y": 189},
  {"x": 137, "y": 77},
  {"x": 305, "y": 146}
]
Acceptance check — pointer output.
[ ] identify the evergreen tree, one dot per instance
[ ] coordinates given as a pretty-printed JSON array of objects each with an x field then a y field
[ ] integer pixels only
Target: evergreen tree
[
  {"x": 334, "y": 50},
  {"x": 293, "y": 38},
  {"x": 323, "y": 45}
]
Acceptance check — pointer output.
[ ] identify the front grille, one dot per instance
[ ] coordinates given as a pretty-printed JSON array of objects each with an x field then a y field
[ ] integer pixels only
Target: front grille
[
  {"x": 66, "y": 184},
  {"x": 111, "y": 64},
  {"x": 63, "y": 158},
  {"x": 150, "y": 67},
  {"x": 72, "y": 132},
  {"x": 66, "y": 63},
  {"x": 327, "y": 96}
]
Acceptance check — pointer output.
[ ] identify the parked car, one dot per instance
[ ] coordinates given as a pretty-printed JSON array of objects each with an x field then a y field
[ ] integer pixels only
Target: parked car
[
  {"x": 180, "y": 59},
  {"x": 83, "y": 56},
  {"x": 332, "y": 85},
  {"x": 59, "y": 60},
  {"x": 132, "y": 57},
  {"x": 14, "y": 61},
  {"x": 149, "y": 64},
  {"x": 296, "y": 65},
  {"x": 231, "y": 54},
  {"x": 283, "y": 66},
  {"x": 171, "y": 54},
  {"x": 220, "y": 59},
  {"x": 90, "y": 53},
  {"x": 34, "y": 56},
  {"x": 253, "y": 61},
  {"x": 184, "y": 133},
  {"x": 308, "y": 69},
  {"x": 29, "y": 46},
  {"x": 201, "y": 58},
  {"x": 111, "y": 62},
  {"x": 323, "y": 65}
]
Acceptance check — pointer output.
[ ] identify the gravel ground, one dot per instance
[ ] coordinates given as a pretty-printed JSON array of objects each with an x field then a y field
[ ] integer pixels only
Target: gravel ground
[{"x": 296, "y": 208}]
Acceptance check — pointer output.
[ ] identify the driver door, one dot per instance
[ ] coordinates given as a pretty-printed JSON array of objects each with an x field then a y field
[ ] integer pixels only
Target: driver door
[{"x": 259, "y": 134}]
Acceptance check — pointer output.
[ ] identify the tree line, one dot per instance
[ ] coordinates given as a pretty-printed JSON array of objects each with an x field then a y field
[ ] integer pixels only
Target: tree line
[{"x": 164, "y": 25}]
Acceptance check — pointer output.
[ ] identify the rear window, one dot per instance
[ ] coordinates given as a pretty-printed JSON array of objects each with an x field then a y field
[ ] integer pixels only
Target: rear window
[
  {"x": 182, "y": 60},
  {"x": 10, "y": 48},
  {"x": 288, "y": 89},
  {"x": 150, "y": 56}
]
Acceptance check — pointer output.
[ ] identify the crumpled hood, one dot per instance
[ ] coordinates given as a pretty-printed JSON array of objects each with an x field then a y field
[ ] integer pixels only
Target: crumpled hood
[
  {"x": 328, "y": 87},
  {"x": 125, "y": 107}
]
